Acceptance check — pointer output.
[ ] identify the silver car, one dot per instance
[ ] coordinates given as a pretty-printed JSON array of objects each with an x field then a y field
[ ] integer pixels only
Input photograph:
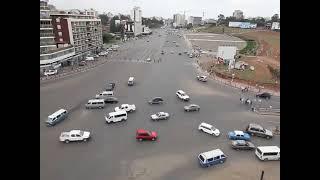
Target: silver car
[
  {"x": 160, "y": 116},
  {"x": 192, "y": 107}
]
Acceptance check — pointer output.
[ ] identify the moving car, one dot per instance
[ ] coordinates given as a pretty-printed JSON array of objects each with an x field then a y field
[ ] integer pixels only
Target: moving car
[
  {"x": 238, "y": 135},
  {"x": 110, "y": 86},
  {"x": 156, "y": 100},
  {"x": 104, "y": 94},
  {"x": 212, "y": 157},
  {"x": 256, "y": 129},
  {"x": 192, "y": 107},
  {"x": 56, "y": 117},
  {"x": 116, "y": 116},
  {"x": 208, "y": 128},
  {"x": 149, "y": 59},
  {"x": 95, "y": 103},
  {"x": 50, "y": 72},
  {"x": 172, "y": 52},
  {"x": 182, "y": 95},
  {"x": 265, "y": 153},
  {"x": 74, "y": 135},
  {"x": 89, "y": 58},
  {"x": 160, "y": 116},
  {"x": 130, "y": 81},
  {"x": 179, "y": 53},
  {"x": 162, "y": 52},
  {"x": 110, "y": 99},
  {"x": 264, "y": 95},
  {"x": 126, "y": 107},
  {"x": 242, "y": 145},
  {"x": 143, "y": 134},
  {"x": 96, "y": 56},
  {"x": 82, "y": 63},
  {"x": 202, "y": 78}
]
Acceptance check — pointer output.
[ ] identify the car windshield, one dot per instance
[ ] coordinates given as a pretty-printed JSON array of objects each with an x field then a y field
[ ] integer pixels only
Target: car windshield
[{"x": 81, "y": 133}]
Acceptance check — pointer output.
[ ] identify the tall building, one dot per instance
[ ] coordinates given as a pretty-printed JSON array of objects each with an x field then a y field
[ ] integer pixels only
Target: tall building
[
  {"x": 178, "y": 20},
  {"x": 136, "y": 17},
  {"x": 238, "y": 14},
  {"x": 82, "y": 31},
  {"x": 51, "y": 55},
  {"x": 195, "y": 20}
]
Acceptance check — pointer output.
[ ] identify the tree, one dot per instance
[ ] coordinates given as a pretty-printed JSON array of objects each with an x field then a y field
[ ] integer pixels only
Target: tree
[
  {"x": 104, "y": 19},
  {"x": 221, "y": 19},
  {"x": 189, "y": 26},
  {"x": 275, "y": 18},
  {"x": 106, "y": 37}
]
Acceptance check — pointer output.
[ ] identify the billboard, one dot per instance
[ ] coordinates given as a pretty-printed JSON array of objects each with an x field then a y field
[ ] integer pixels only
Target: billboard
[{"x": 243, "y": 25}]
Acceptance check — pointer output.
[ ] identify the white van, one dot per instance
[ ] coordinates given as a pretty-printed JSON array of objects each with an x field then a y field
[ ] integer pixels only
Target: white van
[
  {"x": 116, "y": 116},
  {"x": 212, "y": 157},
  {"x": 104, "y": 94},
  {"x": 268, "y": 153},
  {"x": 131, "y": 81},
  {"x": 57, "y": 117},
  {"x": 95, "y": 103},
  {"x": 89, "y": 58}
]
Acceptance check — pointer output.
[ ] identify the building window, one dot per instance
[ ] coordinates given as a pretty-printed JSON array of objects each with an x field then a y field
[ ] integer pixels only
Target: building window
[
  {"x": 60, "y": 39},
  {"x": 58, "y": 20},
  {"x": 60, "y": 34},
  {"x": 58, "y": 27}
]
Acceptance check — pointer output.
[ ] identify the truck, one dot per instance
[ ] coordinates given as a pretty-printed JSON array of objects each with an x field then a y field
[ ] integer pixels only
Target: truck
[
  {"x": 126, "y": 107},
  {"x": 74, "y": 135}
]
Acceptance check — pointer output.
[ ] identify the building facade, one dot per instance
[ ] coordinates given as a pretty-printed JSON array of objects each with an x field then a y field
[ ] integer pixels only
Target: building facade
[
  {"x": 51, "y": 54},
  {"x": 82, "y": 31},
  {"x": 136, "y": 17},
  {"x": 178, "y": 20},
  {"x": 195, "y": 21},
  {"x": 238, "y": 14}
]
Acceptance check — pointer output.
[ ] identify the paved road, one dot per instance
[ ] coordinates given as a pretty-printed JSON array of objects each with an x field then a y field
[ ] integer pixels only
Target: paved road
[{"x": 113, "y": 152}]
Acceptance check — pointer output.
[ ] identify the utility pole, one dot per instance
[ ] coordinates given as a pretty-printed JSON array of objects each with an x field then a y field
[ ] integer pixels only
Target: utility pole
[{"x": 261, "y": 177}]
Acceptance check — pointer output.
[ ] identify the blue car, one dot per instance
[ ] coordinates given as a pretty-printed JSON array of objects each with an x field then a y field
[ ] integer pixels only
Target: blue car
[{"x": 238, "y": 135}]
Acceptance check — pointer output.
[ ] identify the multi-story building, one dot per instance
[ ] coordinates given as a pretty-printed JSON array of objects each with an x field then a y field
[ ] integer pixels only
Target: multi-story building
[
  {"x": 82, "y": 31},
  {"x": 51, "y": 55},
  {"x": 136, "y": 17},
  {"x": 195, "y": 21},
  {"x": 178, "y": 20},
  {"x": 238, "y": 14}
]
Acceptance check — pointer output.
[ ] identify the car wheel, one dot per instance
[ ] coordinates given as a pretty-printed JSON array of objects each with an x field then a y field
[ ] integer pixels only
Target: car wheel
[
  {"x": 221, "y": 162},
  {"x": 140, "y": 139},
  {"x": 268, "y": 137},
  {"x": 131, "y": 110},
  {"x": 123, "y": 119},
  {"x": 85, "y": 139},
  {"x": 153, "y": 139},
  {"x": 66, "y": 141},
  {"x": 265, "y": 159},
  {"x": 252, "y": 134}
]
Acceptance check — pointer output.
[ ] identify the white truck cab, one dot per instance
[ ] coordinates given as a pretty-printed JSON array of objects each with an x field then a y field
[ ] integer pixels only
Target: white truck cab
[{"x": 74, "y": 135}]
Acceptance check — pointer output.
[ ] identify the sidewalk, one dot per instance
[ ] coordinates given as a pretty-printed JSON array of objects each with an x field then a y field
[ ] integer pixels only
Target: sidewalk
[{"x": 235, "y": 84}]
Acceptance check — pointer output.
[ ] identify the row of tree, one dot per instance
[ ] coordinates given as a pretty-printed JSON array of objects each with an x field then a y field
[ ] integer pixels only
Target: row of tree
[
  {"x": 260, "y": 21},
  {"x": 152, "y": 23}
]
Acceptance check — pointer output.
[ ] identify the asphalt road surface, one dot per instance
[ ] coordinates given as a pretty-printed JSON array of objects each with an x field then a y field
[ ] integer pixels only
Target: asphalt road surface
[{"x": 113, "y": 152}]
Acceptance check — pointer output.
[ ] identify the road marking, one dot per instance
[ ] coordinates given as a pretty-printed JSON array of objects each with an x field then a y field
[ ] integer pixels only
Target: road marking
[{"x": 215, "y": 40}]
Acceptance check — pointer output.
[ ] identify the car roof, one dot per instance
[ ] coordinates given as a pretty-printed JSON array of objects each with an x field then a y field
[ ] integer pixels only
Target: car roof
[
  {"x": 180, "y": 91},
  {"x": 141, "y": 131},
  {"x": 75, "y": 131},
  {"x": 57, "y": 113},
  {"x": 206, "y": 125},
  {"x": 193, "y": 105},
  {"x": 117, "y": 112},
  {"x": 212, "y": 153},
  {"x": 157, "y": 98},
  {"x": 255, "y": 125},
  {"x": 269, "y": 148},
  {"x": 237, "y": 132},
  {"x": 96, "y": 100},
  {"x": 241, "y": 141}
]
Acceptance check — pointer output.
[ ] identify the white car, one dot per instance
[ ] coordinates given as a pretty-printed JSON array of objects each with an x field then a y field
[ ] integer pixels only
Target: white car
[
  {"x": 149, "y": 59},
  {"x": 50, "y": 72},
  {"x": 182, "y": 95},
  {"x": 202, "y": 78},
  {"x": 208, "y": 128},
  {"x": 160, "y": 116},
  {"x": 126, "y": 107},
  {"x": 104, "y": 94},
  {"x": 74, "y": 135}
]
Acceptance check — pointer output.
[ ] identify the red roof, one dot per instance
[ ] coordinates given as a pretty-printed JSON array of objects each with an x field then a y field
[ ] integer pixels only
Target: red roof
[{"x": 141, "y": 131}]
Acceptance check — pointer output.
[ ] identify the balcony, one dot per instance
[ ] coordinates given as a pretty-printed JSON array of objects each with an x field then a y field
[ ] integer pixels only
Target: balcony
[
  {"x": 46, "y": 35},
  {"x": 57, "y": 54},
  {"x": 46, "y": 8},
  {"x": 46, "y": 26},
  {"x": 47, "y": 43}
]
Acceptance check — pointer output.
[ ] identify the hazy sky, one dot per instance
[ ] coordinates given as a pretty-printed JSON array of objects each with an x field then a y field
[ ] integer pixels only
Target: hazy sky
[{"x": 166, "y": 8}]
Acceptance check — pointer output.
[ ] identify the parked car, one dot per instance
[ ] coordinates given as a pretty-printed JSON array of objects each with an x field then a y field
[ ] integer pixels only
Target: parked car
[
  {"x": 202, "y": 78},
  {"x": 162, "y": 52},
  {"x": 96, "y": 56},
  {"x": 110, "y": 86},
  {"x": 89, "y": 58},
  {"x": 172, "y": 52},
  {"x": 179, "y": 53},
  {"x": 256, "y": 129},
  {"x": 148, "y": 59},
  {"x": 242, "y": 145},
  {"x": 104, "y": 94},
  {"x": 182, "y": 95},
  {"x": 156, "y": 100},
  {"x": 264, "y": 95},
  {"x": 125, "y": 107},
  {"x": 110, "y": 99},
  {"x": 82, "y": 63},
  {"x": 238, "y": 135},
  {"x": 212, "y": 157},
  {"x": 50, "y": 72},
  {"x": 143, "y": 134},
  {"x": 192, "y": 107},
  {"x": 74, "y": 135},
  {"x": 208, "y": 128},
  {"x": 266, "y": 153},
  {"x": 190, "y": 56},
  {"x": 160, "y": 116}
]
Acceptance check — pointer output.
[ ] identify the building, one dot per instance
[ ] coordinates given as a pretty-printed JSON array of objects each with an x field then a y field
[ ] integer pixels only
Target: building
[
  {"x": 51, "y": 55},
  {"x": 178, "y": 20},
  {"x": 195, "y": 21},
  {"x": 210, "y": 21},
  {"x": 146, "y": 30},
  {"x": 136, "y": 18},
  {"x": 227, "y": 55},
  {"x": 82, "y": 31},
  {"x": 238, "y": 14},
  {"x": 275, "y": 26},
  {"x": 91, "y": 12}
]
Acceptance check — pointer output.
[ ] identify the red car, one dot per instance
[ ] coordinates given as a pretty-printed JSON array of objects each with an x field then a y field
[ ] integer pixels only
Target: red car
[{"x": 143, "y": 134}]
